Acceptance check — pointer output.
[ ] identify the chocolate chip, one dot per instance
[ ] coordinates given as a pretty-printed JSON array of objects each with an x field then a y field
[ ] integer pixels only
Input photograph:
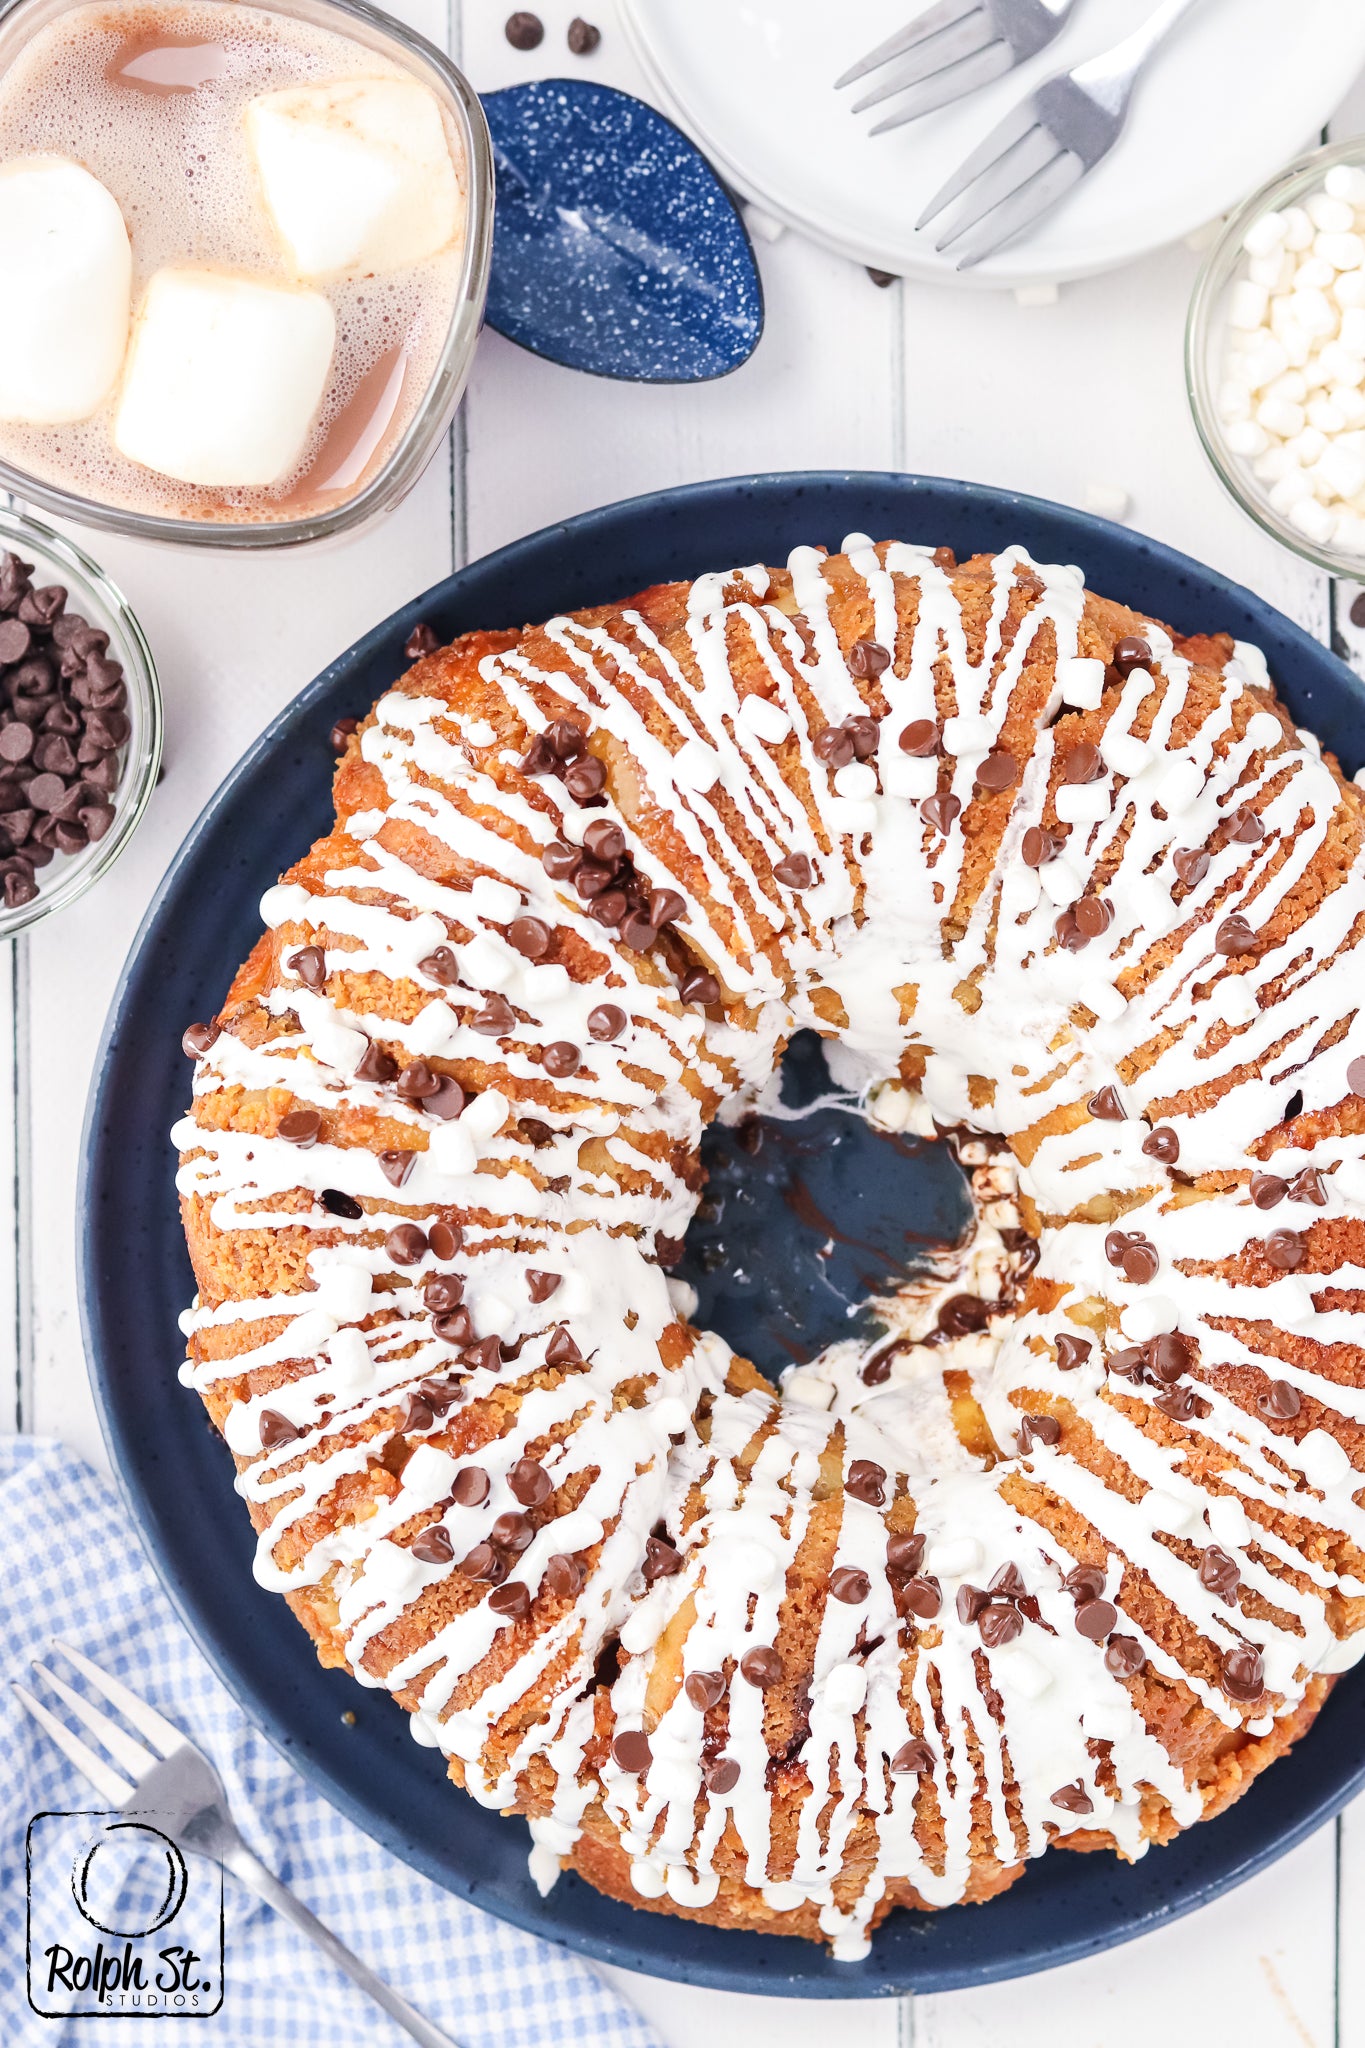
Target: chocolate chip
[
  {"x": 417, "y": 1081},
  {"x": 940, "y": 811},
  {"x": 448, "y": 1100},
  {"x": 1107, "y": 1107},
  {"x": 1286, "y": 1250},
  {"x": 541, "y": 1285},
  {"x": 591, "y": 878},
  {"x": 1267, "y": 1189},
  {"x": 1039, "y": 847},
  {"x": 1169, "y": 1356},
  {"x": 17, "y": 825},
  {"x": 667, "y": 1250},
  {"x": 524, "y": 30},
  {"x": 1280, "y": 1402},
  {"x": 971, "y": 1601},
  {"x": 96, "y": 818},
  {"x": 1191, "y": 864},
  {"x": 485, "y": 1356},
  {"x": 587, "y": 778},
  {"x": 300, "y": 1128},
  {"x": 559, "y": 861},
  {"x": 434, "y": 1546},
  {"x": 868, "y": 658},
  {"x": 609, "y": 908},
  {"x": 1008, "y": 1583},
  {"x": 1242, "y": 1673},
  {"x": 1084, "y": 1582},
  {"x": 920, "y": 738},
  {"x": 495, "y": 1019},
  {"x": 762, "y": 1667},
  {"x": 485, "y": 1564},
  {"x": 661, "y": 1559},
  {"x": 922, "y": 1595},
  {"x": 1163, "y": 1145},
  {"x": 443, "y": 1291},
  {"x": 561, "y": 1059},
  {"x": 1233, "y": 936},
  {"x": 512, "y": 1532},
  {"x": 470, "y": 1487},
  {"x": 539, "y": 758},
  {"x": 338, "y": 1204},
  {"x": 962, "y": 1314},
  {"x": 904, "y": 1554},
  {"x": 561, "y": 1349},
  {"x": 704, "y": 1689},
  {"x": 1131, "y": 652},
  {"x": 1094, "y": 915},
  {"x": 912, "y": 1758},
  {"x": 565, "y": 740},
  {"x": 865, "y": 735},
  {"x": 1125, "y": 1656},
  {"x": 421, "y": 640},
  {"x": 376, "y": 1065},
  {"x": 276, "y": 1429},
  {"x": 850, "y": 1585},
  {"x": 699, "y": 987},
  {"x": 794, "y": 871},
  {"x": 1071, "y": 1351},
  {"x": 310, "y": 965},
  {"x": 866, "y": 1481},
  {"x": 1358, "y": 609},
  {"x": 583, "y": 39},
  {"x": 1082, "y": 763},
  {"x": 631, "y": 1750},
  {"x": 1220, "y": 1574},
  {"x": 1141, "y": 1263},
  {"x": 607, "y": 842},
  {"x": 513, "y": 1600},
  {"x": 396, "y": 1166},
  {"x": 1073, "y": 1799},
  {"x": 834, "y": 746},
  {"x": 454, "y": 1327},
  {"x": 1309, "y": 1186},
  {"x": 44, "y": 792},
  {"x": 15, "y": 641},
  {"x": 999, "y": 771},
  {"x": 1042, "y": 1429},
  {"x": 1095, "y": 1619},
  {"x": 530, "y": 936},
  {"x": 406, "y": 1244},
  {"x": 1355, "y": 1073},
  {"x": 564, "y": 1576},
  {"x": 999, "y": 1624},
  {"x": 1243, "y": 826},
  {"x": 530, "y": 1483},
  {"x": 418, "y": 1414},
  {"x": 721, "y": 1776},
  {"x": 197, "y": 1040}
]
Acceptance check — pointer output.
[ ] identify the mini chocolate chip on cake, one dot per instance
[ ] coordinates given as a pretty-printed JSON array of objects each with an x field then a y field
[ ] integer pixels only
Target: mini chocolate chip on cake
[{"x": 63, "y": 721}]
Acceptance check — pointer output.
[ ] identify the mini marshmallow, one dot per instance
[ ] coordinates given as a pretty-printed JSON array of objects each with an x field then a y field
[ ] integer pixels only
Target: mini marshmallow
[
  {"x": 65, "y": 281},
  {"x": 1292, "y": 488},
  {"x": 1352, "y": 332},
  {"x": 1306, "y": 447},
  {"x": 1349, "y": 402},
  {"x": 356, "y": 174},
  {"x": 1292, "y": 385},
  {"x": 224, "y": 378},
  {"x": 1349, "y": 289},
  {"x": 1343, "y": 252},
  {"x": 1315, "y": 274},
  {"x": 1275, "y": 272},
  {"x": 1313, "y": 312},
  {"x": 1266, "y": 234},
  {"x": 1350, "y": 534},
  {"x": 1324, "y": 418},
  {"x": 1248, "y": 303},
  {"x": 1271, "y": 466},
  {"x": 1234, "y": 401},
  {"x": 1298, "y": 228},
  {"x": 1332, "y": 216},
  {"x": 1313, "y": 520},
  {"x": 1281, "y": 416},
  {"x": 1245, "y": 437},
  {"x": 1346, "y": 181},
  {"x": 1082, "y": 682},
  {"x": 1110, "y": 501}
]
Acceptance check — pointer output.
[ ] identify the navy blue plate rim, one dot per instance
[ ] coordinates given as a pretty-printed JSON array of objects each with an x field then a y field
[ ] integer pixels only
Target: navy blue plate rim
[
  {"x": 606, "y": 376},
  {"x": 1064, "y": 1907}
]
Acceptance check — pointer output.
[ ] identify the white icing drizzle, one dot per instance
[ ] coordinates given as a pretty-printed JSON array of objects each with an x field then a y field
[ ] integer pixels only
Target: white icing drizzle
[{"x": 718, "y": 727}]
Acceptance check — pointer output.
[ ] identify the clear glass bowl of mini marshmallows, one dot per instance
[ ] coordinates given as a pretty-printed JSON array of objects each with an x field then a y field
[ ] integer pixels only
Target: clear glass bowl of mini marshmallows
[{"x": 1275, "y": 357}]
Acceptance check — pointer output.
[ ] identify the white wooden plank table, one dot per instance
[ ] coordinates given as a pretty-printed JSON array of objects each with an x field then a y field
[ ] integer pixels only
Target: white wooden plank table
[{"x": 1055, "y": 399}]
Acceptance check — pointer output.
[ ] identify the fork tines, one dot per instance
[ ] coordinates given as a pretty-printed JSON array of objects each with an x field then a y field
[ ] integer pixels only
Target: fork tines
[
  {"x": 955, "y": 48},
  {"x": 1017, "y": 174},
  {"x": 131, "y": 1756}
]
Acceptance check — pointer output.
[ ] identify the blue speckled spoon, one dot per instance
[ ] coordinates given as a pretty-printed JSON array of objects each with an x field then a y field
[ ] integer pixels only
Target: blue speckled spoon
[{"x": 615, "y": 247}]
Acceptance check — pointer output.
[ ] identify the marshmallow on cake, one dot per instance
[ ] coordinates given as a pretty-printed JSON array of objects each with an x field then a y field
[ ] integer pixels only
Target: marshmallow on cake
[{"x": 1292, "y": 393}]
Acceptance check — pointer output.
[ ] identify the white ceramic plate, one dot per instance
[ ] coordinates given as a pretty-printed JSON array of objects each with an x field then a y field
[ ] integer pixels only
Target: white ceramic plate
[{"x": 1240, "y": 86}]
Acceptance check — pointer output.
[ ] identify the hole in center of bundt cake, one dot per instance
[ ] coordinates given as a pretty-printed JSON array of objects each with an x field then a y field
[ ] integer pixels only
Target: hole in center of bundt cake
[{"x": 806, "y": 1216}]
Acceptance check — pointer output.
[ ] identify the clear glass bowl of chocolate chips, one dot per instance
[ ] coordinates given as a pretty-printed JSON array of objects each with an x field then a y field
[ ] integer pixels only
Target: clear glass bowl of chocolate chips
[{"x": 80, "y": 722}]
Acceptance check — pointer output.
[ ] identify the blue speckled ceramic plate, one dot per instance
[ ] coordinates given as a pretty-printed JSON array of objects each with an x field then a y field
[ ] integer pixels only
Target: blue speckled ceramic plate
[
  {"x": 135, "y": 1275},
  {"x": 616, "y": 249}
]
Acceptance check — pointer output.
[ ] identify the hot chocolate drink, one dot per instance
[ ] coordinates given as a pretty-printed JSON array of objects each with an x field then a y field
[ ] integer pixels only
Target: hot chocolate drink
[{"x": 230, "y": 248}]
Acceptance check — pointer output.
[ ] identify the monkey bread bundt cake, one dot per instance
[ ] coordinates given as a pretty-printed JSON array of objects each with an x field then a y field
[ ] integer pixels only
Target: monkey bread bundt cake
[{"x": 1066, "y": 1555}]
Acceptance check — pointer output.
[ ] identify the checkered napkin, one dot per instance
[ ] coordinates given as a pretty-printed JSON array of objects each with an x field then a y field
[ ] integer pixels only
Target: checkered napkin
[{"x": 71, "y": 1565}]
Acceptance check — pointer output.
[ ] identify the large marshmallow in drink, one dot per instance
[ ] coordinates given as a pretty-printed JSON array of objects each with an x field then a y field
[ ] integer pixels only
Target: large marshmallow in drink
[
  {"x": 224, "y": 378},
  {"x": 356, "y": 175},
  {"x": 65, "y": 279}
]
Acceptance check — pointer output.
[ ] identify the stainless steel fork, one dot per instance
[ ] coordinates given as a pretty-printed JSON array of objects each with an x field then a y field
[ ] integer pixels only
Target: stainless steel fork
[
  {"x": 1035, "y": 156},
  {"x": 956, "y": 48},
  {"x": 176, "y": 1782}
]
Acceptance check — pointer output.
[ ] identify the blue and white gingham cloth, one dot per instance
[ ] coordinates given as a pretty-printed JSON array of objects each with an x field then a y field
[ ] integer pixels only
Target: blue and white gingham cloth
[{"x": 71, "y": 1565}]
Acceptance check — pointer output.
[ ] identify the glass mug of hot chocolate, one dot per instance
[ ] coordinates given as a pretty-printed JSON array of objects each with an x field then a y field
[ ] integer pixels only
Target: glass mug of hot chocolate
[{"x": 243, "y": 260}]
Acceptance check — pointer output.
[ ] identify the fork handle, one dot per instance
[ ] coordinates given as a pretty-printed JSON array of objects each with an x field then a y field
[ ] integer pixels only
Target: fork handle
[
  {"x": 243, "y": 1863},
  {"x": 1114, "y": 72}
]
